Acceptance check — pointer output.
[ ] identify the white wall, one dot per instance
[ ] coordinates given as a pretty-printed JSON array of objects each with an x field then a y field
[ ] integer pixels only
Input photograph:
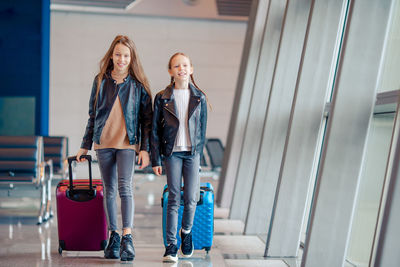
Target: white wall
[{"x": 80, "y": 40}]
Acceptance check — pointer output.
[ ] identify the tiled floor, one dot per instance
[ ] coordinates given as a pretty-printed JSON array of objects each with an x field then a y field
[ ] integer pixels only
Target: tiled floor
[{"x": 23, "y": 243}]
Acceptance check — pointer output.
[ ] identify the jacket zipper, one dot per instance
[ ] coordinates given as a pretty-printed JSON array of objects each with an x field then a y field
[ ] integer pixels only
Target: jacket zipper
[
  {"x": 178, "y": 122},
  {"x": 195, "y": 128}
]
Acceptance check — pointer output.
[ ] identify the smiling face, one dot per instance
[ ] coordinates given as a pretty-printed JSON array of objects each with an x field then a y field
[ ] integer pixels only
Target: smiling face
[
  {"x": 180, "y": 69},
  {"x": 121, "y": 58}
]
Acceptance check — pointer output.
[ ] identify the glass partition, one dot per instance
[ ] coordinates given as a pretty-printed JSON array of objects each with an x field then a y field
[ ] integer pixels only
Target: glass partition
[
  {"x": 376, "y": 152},
  {"x": 370, "y": 188}
]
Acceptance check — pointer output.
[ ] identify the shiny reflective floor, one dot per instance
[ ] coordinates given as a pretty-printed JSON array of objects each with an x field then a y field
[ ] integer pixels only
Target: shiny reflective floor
[{"x": 23, "y": 243}]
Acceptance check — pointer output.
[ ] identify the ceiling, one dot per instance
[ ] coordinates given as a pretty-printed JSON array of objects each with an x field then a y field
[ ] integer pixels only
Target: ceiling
[{"x": 198, "y": 9}]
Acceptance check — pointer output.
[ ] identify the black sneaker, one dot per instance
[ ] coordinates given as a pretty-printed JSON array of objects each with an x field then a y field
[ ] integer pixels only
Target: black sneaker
[
  {"x": 187, "y": 244},
  {"x": 127, "y": 250},
  {"x": 112, "y": 249},
  {"x": 170, "y": 254}
]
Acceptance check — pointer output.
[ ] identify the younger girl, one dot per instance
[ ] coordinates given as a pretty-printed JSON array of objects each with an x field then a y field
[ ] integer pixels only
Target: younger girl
[
  {"x": 120, "y": 114},
  {"x": 178, "y": 134}
]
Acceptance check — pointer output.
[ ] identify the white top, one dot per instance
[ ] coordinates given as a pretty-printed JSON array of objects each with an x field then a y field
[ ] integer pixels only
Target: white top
[{"x": 182, "y": 141}]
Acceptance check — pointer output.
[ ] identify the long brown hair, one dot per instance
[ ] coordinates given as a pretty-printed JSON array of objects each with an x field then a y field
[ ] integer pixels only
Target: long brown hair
[
  {"x": 135, "y": 67},
  {"x": 191, "y": 75}
]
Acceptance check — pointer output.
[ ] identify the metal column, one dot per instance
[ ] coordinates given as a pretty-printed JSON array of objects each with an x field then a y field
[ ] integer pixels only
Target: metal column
[
  {"x": 307, "y": 125},
  {"x": 256, "y": 116},
  {"x": 241, "y": 105}
]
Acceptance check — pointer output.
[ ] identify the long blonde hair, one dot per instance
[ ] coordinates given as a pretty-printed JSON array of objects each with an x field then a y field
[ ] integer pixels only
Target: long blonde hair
[
  {"x": 135, "y": 67},
  {"x": 191, "y": 75}
]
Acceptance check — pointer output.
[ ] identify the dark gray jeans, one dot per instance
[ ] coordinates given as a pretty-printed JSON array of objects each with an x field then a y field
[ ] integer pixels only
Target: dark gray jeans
[
  {"x": 116, "y": 168},
  {"x": 178, "y": 165}
]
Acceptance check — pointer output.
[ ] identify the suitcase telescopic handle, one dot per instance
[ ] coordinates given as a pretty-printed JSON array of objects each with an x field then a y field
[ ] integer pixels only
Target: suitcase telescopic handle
[{"x": 72, "y": 159}]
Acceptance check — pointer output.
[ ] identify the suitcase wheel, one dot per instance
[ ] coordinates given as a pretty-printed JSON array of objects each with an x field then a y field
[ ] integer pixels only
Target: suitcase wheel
[
  {"x": 61, "y": 246},
  {"x": 207, "y": 249},
  {"x": 103, "y": 244}
]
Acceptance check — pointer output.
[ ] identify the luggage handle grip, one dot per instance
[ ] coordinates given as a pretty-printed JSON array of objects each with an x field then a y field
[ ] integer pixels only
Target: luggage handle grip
[{"x": 72, "y": 159}]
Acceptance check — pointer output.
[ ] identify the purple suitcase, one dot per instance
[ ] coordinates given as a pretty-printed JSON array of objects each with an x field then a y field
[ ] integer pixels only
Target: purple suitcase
[{"x": 82, "y": 224}]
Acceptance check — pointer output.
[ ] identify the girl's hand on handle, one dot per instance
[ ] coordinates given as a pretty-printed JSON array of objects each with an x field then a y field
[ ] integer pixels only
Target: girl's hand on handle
[
  {"x": 81, "y": 152},
  {"x": 143, "y": 159},
  {"x": 157, "y": 170}
]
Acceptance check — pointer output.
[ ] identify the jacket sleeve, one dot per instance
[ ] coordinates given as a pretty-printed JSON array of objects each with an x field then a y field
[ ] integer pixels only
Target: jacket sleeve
[
  {"x": 203, "y": 122},
  {"x": 87, "y": 139},
  {"x": 145, "y": 117},
  {"x": 156, "y": 132}
]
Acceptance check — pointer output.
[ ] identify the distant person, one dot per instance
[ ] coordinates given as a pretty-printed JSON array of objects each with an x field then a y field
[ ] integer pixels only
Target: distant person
[
  {"x": 179, "y": 134},
  {"x": 119, "y": 125}
]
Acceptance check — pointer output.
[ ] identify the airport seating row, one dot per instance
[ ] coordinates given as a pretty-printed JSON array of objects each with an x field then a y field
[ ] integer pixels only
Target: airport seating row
[{"x": 27, "y": 167}]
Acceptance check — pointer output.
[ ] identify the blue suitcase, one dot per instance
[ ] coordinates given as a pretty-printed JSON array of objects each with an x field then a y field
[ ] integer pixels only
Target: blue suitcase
[{"x": 203, "y": 224}]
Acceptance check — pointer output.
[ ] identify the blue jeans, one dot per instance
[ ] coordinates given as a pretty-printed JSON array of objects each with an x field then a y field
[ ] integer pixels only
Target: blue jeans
[
  {"x": 178, "y": 165},
  {"x": 116, "y": 168}
]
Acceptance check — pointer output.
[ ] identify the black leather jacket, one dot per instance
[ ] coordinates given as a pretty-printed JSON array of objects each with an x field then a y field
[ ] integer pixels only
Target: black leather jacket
[
  {"x": 136, "y": 106},
  {"x": 166, "y": 123}
]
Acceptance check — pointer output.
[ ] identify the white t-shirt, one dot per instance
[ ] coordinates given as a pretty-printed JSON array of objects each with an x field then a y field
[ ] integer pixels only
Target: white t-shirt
[{"x": 182, "y": 141}]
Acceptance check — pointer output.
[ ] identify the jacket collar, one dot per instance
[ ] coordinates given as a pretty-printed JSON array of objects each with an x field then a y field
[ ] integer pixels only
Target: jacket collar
[
  {"x": 193, "y": 101},
  {"x": 108, "y": 76},
  {"x": 168, "y": 92}
]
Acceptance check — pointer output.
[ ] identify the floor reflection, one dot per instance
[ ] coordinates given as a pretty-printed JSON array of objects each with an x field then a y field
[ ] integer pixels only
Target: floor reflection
[{"x": 23, "y": 243}]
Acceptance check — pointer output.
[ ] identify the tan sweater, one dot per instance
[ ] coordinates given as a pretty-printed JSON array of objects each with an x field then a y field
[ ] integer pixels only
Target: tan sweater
[{"x": 114, "y": 132}]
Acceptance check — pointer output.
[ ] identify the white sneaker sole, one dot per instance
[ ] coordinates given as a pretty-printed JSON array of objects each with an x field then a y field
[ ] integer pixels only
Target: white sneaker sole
[
  {"x": 184, "y": 255},
  {"x": 170, "y": 258},
  {"x": 180, "y": 249}
]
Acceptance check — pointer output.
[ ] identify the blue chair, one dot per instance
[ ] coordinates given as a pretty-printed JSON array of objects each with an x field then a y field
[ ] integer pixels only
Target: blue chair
[
  {"x": 212, "y": 158},
  {"x": 215, "y": 151},
  {"x": 56, "y": 150},
  {"x": 24, "y": 172}
]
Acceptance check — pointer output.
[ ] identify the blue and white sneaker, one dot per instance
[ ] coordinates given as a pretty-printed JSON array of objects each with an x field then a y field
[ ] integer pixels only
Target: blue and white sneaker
[
  {"x": 187, "y": 244},
  {"x": 170, "y": 254}
]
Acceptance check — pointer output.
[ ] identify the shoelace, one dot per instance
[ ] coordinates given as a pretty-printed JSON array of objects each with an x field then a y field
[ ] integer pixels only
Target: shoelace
[
  {"x": 114, "y": 239},
  {"x": 127, "y": 238},
  {"x": 186, "y": 240},
  {"x": 171, "y": 249}
]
